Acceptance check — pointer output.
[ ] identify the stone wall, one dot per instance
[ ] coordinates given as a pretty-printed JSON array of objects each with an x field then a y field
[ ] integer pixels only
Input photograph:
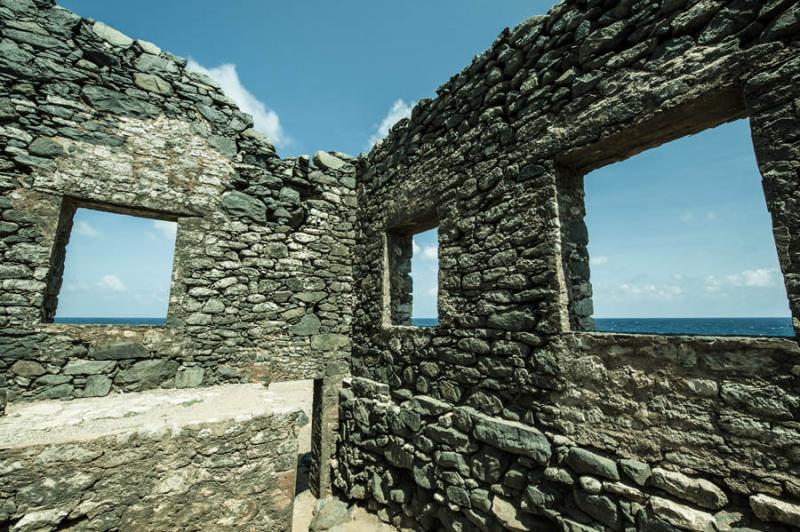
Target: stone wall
[
  {"x": 261, "y": 284},
  {"x": 512, "y": 413},
  {"x": 219, "y": 458}
]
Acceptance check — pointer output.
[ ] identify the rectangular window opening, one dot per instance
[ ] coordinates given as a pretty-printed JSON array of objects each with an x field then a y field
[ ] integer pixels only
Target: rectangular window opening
[
  {"x": 678, "y": 240},
  {"x": 110, "y": 268},
  {"x": 413, "y": 280}
]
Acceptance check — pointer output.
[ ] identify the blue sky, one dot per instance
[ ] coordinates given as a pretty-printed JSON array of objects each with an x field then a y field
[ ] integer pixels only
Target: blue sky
[
  {"x": 679, "y": 231},
  {"x": 425, "y": 274}
]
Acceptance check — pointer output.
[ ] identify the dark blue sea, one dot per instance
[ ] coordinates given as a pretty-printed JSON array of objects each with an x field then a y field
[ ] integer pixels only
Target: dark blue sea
[{"x": 693, "y": 326}]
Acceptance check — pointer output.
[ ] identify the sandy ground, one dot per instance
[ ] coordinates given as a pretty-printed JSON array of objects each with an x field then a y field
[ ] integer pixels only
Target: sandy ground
[{"x": 301, "y": 394}]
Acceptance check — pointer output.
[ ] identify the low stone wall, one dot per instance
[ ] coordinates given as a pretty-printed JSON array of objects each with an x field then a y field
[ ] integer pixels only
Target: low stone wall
[{"x": 224, "y": 457}]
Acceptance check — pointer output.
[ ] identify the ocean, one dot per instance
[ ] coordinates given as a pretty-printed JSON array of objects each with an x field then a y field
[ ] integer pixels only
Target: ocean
[{"x": 692, "y": 326}]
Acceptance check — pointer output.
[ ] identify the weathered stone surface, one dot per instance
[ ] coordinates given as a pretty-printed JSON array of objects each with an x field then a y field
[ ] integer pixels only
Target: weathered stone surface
[
  {"x": 241, "y": 204},
  {"x": 111, "y": 36},
  {"x": 697, "y": 490},
  {"x": 329, "y": 513},
  {"x": 97, "y": 386},
  {"x": 189, "y": 377},
  {"x": 326, "y": 160},
  {"x": 119, "y": 351},
  {"x": 428, "y": 406},
  {"x": 771, "y": 509},
  {"x": 509, "y": 516},
  {"x": 682, "y": 516},
  {"x": 308, "y": 325},
  {"x": 88, "y": 367},
  {"x": 599, "y": 507},
  {"x": 513, "y": 437},
  {"x": 28, "y": 368},
  {"x": 116, "y": 102},
  {"x": 329, "y": 342},
  {"x": 45, "y": 147},
  {"x": 152, "y": 83},
  {"x": 148, "y": 373},
  {"x": 635, "y": 470},
  {"x": 584, "y": 461}
]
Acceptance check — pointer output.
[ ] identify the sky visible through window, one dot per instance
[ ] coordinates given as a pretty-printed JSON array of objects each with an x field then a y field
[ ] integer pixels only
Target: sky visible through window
[
  {"x": 683, "y": 230},
  {"x": 425, "y": 275},
  {"x": 117, "y": 266}
]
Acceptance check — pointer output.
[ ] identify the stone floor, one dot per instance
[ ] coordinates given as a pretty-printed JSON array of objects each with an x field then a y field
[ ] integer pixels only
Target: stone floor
[{"x": 300, "y": 394}]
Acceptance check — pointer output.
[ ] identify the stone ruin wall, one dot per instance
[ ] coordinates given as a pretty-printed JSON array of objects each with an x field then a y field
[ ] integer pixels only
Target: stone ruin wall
[
  {"x": 160, "y": 466},
  {"x": 512, "y": 414},
  {"x": 261, "y": 285}
]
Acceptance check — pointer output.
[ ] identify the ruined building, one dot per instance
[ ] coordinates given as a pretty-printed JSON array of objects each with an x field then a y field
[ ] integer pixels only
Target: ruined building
[{"x": 511, "y": 414}]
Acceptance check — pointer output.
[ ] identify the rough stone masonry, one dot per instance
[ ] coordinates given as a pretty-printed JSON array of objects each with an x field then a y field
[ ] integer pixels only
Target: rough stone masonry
[
  {"x": 261, "y": 285},
  {"x": 511, "y": 413}
]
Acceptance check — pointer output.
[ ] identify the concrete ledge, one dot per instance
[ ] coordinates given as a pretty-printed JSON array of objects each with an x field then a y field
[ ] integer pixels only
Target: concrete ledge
[{"x": 222, "y": 458}]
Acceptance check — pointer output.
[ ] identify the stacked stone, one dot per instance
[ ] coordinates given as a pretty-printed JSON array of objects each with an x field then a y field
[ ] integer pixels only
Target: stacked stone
[
  {"x": 466, "y": 470},
  {"x": 202, "y": 468},
  {"x": 579, "y": 431},
  {"x": 261, "y": 287}
]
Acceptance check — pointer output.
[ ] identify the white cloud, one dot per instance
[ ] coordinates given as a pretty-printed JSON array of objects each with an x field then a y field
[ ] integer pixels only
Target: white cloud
[
  {"x": 166, "y": 229},
  {"x": 399, "y": 110},
  {"x": 758, "y": 278},
  {"x": 84, "y": 228},
  {"x": 712, "y": 216},
  {"x": 265, "y": 119},
  {"x": 686, "y": 216},
  {"x": 650, "y": 291},
  {"x": 598, "y": 261},
  {"x": 426, "y": 252},
  {"x": 112, "y": 282}
]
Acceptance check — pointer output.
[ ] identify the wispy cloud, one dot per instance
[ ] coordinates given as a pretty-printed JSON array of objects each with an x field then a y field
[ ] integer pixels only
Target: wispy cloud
[
  {"x": 430, "y": 252},
  {"x": 165, "y": 228},
  {"x": 650, "y": 290},
  {"x": 84, "y": 228},
  {"x": 265, "y": 119},
  {"x": 758, "y": 278},
  {"x": 686, "y": 216},
  {"x": 111, "y": 282},
  {"x": 598, "y": 261},
  {"x": 399, "y": 110},
  {"x": 425, "y": 252}
]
